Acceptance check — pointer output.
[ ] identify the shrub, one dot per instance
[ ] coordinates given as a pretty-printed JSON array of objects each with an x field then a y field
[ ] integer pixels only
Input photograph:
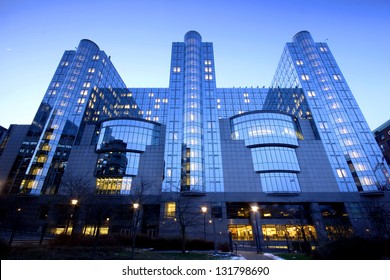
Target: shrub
[
  {"x": 355, "y": 248},
  {"x": 5, "y": 249},
  {"x": 165, "y": 244},
  {"x": 200, "y": 245}
]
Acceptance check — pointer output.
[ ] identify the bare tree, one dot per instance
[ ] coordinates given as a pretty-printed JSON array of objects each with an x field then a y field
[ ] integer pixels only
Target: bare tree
[
  {"x": 300, "y": 221},
  {"x": 77, "y": 191},
  {"x": 138, "y": 198},
  {"x": 379, "y": 217},
  {"x": 187, "y": 213}
]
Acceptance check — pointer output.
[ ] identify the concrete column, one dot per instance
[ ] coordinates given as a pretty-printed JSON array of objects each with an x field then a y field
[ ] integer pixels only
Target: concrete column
[{"x": 318, "y": 222}]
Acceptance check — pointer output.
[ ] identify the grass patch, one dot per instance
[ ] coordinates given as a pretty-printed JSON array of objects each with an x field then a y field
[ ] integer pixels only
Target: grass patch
[
  {"x": 29, "y": 252},
  {"x": 292, "y": 256}
]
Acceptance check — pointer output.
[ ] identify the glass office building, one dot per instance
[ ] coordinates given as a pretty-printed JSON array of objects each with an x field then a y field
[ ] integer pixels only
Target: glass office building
[{"x": 295, "y": 161}]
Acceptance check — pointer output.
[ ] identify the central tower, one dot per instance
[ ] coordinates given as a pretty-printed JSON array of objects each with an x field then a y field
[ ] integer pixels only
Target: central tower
[
  {"x": 193, "y": 152},
  {"x": 193, "y": 161}
]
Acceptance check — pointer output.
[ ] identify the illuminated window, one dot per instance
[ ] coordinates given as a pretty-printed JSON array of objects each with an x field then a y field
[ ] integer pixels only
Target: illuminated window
[
  {"x": 170, "y": 210},
  {"x": 305, "y": 77},
  {"x": 311, "y": 93},
  {"x": 84, "y": 92},
  {"x": 341, "y": 172},
  {"x": 207, "y": 62},
  {"x": 299, "y": 62},
  {"x": 151, "y": 94},
  {"x": 335, "y": 105},
  {"x": 37, "y": 171},
  {"x": 113, "y": 185},
  {"x": 42, "y": 158},
  {"x": 169, "y": 173},
  {"x": 360, "y": 167},
  {"x": 343, "y": 130},
  {"x": 323, "y": 125},
  {"x": 45, "y": 147},
  {"x": 208, "y": 77},
  {"x": 323, "y": 49},
  {"x": 87, "y": 84},
  {"x": 354, "y": 154},
  {"x": 241, "y": 232},
  {"x": 348, "y": 142},
  {"x": 92, "y": 230},
  {"x": 91, "y": 70},
  {"x": 50, "y": 136},
  {"x": 95, "y": 57},
  {"x": 367, "y": 181},
  {"x": 176, "y": 69},
  {"x": 337, "y": 77},
  {"x": 293, "y": 232}
]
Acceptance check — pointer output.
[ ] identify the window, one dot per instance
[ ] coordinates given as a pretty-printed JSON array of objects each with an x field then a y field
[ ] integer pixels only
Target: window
[
  {"x": 348, "y": 142},
  {"x": 360, "y": 167},
  {"x": 323, "y": 49},
  {"x": 305, "y": 77},
  {"x": 208, "y": 77},
  {"x": 42, "y": 158},
  {"x": 207, "y": 62},
  {"x": 337, "y": 77},
  {"x": 241, "y": 232},
  {"x": 299, "y": 62},
  {"x": 176, "y": 69},
  {"x": 367, "y": 181},
  {"x": 311, "y": 93},
  {"x": 341, "y": 172},
  {"x": 170, "y": 210}
]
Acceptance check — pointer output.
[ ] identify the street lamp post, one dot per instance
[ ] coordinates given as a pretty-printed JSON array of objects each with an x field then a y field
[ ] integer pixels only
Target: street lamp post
[
  {"x": 134, "y": 227},
  {"x": 255, "y": 210},
  {"x": 214, "y": 235},
  {"x": 73, "y": 202},
  {"x": 204, "y": 211},
  {"x": 74, "y": 205}
]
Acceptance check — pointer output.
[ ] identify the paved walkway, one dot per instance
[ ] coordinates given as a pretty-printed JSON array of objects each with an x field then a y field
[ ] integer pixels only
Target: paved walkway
[{"x": 252, "y": 255}]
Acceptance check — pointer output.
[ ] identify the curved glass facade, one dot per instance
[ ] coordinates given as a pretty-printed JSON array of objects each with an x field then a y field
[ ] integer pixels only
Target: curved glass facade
[
  {"x": 128, "y": 134},
  {"x": 264, "y": 128},
  {"x": 120, "y": 144},
  {"x": 267, "y": 159},
  {"x": 272, "y": 139}
]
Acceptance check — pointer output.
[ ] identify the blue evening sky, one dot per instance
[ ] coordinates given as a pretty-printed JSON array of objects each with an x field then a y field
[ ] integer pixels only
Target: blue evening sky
[{"x": 248, "y": 38}]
